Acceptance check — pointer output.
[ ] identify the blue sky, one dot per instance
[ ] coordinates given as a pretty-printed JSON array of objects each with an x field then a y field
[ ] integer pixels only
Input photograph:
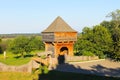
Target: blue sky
[{"x": 33, "y": 16}]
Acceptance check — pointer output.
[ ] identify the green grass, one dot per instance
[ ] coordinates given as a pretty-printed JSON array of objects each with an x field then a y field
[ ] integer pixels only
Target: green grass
[{"x": 15, "y": 59}]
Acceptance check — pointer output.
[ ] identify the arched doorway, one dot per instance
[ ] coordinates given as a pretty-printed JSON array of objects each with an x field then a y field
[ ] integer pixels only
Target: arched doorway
[
  {"x": 62, "y": 55},
  {"x": 64, "y": 51}
]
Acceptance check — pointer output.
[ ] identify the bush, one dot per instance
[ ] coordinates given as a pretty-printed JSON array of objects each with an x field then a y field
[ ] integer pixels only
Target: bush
[
  {"x": 100, "y": 54},
  {"x": 87, "y": 53},
  {"x": 43, "y": 69}
]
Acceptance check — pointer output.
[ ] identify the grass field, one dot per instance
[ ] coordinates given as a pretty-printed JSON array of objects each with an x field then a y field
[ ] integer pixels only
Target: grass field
[
  {"x": 15, "y": 59},
  {"x": 51, "y": 75}
]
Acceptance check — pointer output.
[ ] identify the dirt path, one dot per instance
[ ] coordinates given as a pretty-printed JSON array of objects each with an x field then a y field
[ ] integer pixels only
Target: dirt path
[{"x": 100, "y": 67}]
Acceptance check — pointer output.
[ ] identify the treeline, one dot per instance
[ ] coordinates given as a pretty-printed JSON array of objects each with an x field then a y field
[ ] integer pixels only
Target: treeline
[
  {"x": 102, "y": 40},
  {"x": 8, "y": 41},
  {"x": 18, "y": 34},
  {"x": 22, "y": 45}
]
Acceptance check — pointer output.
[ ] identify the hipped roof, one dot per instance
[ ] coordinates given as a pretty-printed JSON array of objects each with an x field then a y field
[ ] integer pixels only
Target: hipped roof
[{"x": 59, "y": 25}]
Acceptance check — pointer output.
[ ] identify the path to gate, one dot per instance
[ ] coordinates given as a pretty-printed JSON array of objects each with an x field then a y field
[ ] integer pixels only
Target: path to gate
[{"x": 98, "y": 67}]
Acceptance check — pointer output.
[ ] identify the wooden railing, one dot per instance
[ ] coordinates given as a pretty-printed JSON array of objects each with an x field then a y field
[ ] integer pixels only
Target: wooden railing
[{"x": 40, "y": 60}]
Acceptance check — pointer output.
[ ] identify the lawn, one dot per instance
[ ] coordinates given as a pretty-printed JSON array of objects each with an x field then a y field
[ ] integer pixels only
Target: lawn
[{"x": 15, "y": 59}]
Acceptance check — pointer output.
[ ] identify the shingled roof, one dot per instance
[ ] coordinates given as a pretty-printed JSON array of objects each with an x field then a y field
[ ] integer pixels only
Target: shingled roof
[{"x": 59, "y": 25}]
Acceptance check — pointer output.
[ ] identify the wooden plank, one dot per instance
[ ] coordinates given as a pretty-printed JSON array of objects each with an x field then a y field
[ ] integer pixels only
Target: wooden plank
[{"x": 44, "y": 61}]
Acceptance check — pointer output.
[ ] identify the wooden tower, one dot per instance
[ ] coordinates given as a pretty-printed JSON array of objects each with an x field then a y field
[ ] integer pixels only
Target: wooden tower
[{"x": 59, "y": 38}]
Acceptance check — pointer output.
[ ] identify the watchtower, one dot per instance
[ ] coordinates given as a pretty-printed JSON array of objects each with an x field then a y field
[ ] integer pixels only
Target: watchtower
[{"x": 59, "y": 38}]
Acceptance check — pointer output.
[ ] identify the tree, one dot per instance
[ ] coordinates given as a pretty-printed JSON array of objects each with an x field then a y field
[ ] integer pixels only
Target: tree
[
  {"x": 102, "y": 39},
  {"x": 109, "y": 25},
  {"x": 19, "y": 45},
  {"x": 35, "y": 43},
  {"x": 115, "y": 31},
  {"x": 84, "y": 43},
  {"x": 96, "y": 40},
  {"x": 25, "y": 45},
  {"x": 115, "y": 15}
]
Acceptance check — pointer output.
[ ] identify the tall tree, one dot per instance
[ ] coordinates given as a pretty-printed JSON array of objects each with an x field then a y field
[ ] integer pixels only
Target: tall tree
[
  {"x": 115, "y": 15},
  {"x": 94, "y": 40},
  {"x": 115, "y": 30},
  {"x": 102, "y": 39}
]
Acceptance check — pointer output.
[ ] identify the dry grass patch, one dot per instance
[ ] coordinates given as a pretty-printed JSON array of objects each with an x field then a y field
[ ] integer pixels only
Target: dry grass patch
[{"x": 16, "y": 76}]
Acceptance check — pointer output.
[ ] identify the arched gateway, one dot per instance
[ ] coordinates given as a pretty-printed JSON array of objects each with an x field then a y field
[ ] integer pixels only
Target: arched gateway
[{"x": 59, "y": 38}]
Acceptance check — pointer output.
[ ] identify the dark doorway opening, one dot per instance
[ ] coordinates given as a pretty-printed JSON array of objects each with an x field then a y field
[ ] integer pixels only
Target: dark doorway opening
[
  {"x": 62, "y": 55},
  {"x": 64, "y": 50}
]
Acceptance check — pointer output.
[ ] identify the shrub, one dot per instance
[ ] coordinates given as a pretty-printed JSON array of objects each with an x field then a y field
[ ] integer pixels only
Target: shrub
[{"x": 87, "y": 53}]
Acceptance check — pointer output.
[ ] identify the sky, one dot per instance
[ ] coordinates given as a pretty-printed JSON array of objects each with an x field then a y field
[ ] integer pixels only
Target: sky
[{"x": 33, "y": 16}]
